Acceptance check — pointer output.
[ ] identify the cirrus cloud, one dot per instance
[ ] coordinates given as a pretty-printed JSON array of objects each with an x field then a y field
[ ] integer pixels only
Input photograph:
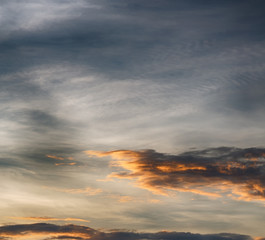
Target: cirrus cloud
[{"x": 50, "y": 219}]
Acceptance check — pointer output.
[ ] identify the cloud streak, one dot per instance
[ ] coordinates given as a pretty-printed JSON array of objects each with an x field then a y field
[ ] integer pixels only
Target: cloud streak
[
  {"x": 232, "y": 172},
  {"x": 55, "y": 157},
  {"x": 50, "y": 219},
  {"x": 89, "y": 191}
]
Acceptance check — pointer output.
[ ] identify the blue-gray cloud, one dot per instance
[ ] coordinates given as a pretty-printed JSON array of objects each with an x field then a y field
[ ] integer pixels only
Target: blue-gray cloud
[{"x": 197, "y": 47}]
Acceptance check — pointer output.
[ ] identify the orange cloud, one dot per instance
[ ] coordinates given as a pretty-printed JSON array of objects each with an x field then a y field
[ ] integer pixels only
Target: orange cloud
[
  {"x": 119, "y": 154},
  {"x": 67, "y": 164},
  {"x": 124, "y": 199},
  {"x": 212, "y": 172},
  {"x": 62, "y": 159},
  {"x": 87, "y": 191},
  {"x": 50, "y": 219},
  {"x": 154, "y": 201},
  {"x": 55, "y": 157}
]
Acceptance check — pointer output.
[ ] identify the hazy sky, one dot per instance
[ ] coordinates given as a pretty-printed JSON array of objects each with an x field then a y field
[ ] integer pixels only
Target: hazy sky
[{"x": 132, "y": 119}]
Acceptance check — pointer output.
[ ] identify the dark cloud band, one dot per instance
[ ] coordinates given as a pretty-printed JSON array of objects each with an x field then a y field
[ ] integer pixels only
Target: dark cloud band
[{"x": 52, "y": 231}]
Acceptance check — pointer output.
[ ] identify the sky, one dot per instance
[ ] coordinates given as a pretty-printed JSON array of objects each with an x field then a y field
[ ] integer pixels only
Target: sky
[{"x": 132, "y": 119}]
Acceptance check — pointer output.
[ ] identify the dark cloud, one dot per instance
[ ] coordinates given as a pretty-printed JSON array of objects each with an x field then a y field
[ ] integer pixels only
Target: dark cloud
[
  {"x": 119, "y": 38},
  {"x": 167, "y": 41},
  {"x": 247, "y": 99},
  {"x": 216, "y": 43},
  {"x": 65, "y": 237},
  {"x": 238, "y": 173},
  {"x": 40, "y": 119},
  {"x": 45, "y": 229},
  {"x": 77, "y": 232}
]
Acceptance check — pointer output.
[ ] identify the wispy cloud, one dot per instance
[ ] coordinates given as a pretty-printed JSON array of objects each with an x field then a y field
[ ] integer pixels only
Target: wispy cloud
[
  {"x": 65, "y": 164},
  {"x": 237, "y": 173},
  {"x": 62, "y": 159},
  {"x": 54, "y": 157},
  {"x": 86, "y": 191},
  {"x": 50, "y": 219}
]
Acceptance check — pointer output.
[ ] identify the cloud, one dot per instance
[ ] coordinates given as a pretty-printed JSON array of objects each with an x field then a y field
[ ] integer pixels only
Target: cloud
[
  {"x": 50, "y": 219},
  {"x": 44, "y": 230},
  {"x": 65, "y": 237},
  {"x": 35, "y": 15},
  {"x": 233, "y": 172},
  {"x": 55, "y": 157},
  {"x": 122, "y": 199},
  {"x": 157, "y": 49},
  {"x": 62, "y": 159},
  {"x": 65, "y": 164},
  {"x": 86, "y": 191}
]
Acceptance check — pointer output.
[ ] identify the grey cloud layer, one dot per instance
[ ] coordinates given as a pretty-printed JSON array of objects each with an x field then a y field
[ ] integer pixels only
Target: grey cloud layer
[
  {"x": 204, "y": 57},
  {"x": 132, "y": 39}
]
